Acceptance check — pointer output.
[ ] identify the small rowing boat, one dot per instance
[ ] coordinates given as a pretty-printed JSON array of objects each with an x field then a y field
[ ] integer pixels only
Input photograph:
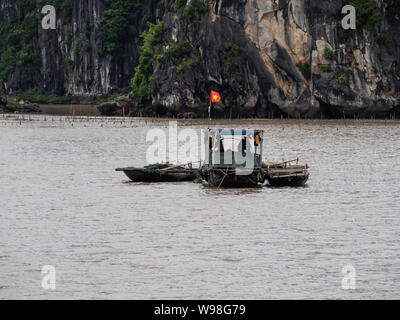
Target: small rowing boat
[
  {"x": 161, "y": 173},
  {"x": 286, "y": 174}
]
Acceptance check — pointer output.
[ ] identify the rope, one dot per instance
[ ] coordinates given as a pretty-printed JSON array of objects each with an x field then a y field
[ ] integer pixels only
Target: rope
[{"x": 223, "y": 179}]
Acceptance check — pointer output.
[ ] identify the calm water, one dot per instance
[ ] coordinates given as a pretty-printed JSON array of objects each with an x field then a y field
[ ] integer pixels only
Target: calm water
[{"x": 62, "y": 204}]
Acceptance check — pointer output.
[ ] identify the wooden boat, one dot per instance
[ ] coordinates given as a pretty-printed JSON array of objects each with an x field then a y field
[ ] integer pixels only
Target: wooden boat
[
  {"x": 229, "y": 178},
  {"x": 163, "y": 174},
  {"x": 222, "y": 170},
  {"x": 286, "y": 175}
]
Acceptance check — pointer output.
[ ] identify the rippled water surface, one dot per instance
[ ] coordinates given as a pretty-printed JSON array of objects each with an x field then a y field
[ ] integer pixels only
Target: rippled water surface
[{"x": 62, "y": 204}]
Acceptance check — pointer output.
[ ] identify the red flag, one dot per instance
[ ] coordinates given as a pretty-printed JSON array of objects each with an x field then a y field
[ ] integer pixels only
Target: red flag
[{"x": 215, "y": 97}]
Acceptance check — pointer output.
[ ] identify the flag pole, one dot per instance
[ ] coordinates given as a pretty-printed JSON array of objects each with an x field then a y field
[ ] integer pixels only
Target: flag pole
[{"x": 209, "y": 110}]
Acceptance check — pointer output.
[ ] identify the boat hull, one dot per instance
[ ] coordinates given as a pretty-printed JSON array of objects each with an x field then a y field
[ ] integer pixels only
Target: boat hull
[
  {"x": 221, "y": 178},
  {"x": 292, "y": 181},
  {"x": 142, "y": 175}
]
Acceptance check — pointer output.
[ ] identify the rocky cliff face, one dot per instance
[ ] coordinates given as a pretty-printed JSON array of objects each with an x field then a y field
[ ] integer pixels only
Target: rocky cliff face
[
  {"x": 265, "y": 57},
  {"x": 71, "y": 60},
  {"x": 3, "y": 100},
  {"x": 294, "y": 57}
]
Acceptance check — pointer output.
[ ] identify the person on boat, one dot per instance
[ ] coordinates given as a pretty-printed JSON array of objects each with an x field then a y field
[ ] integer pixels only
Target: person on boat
[
  {"x": 243, "y": 145},
  {"x": 257, "y": 142},
  {"x": 221, "y": 145}
]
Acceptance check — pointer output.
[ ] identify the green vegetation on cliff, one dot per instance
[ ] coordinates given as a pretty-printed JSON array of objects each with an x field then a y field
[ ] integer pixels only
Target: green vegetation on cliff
[
  {"x": 118, "y": 24},
  {"x": 325, "y": 68},
  {"x": 16, "y": 47},
  {"x": 65, "y": 5},
  {"x": 341, "y": 79},
  {"x": 179, "y": 52},
  {"x": 40, "y": 96},
  {"x": 384, "y": 40},
  {"x": 231, "y": 65},
  {"x": 196, "y": 8},
  {"x": 184, "y": 65},
  {"x": 143, "y": 79},
  {"x": 305, "y": 69},
  {"x": 329, "y": 54},
  {"x": 368, "y": 13},
  {"x": 180, "y": 3},
  {"x": 393, "y": 10},
  {"x": 17, "y": 50}
]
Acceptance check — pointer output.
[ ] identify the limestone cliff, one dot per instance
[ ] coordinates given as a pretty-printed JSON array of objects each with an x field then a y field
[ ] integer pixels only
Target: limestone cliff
[
  {"x": 282, "y": 65},
  {"x": 265, "y": 57},
  {"x": 71, "y": 60}
]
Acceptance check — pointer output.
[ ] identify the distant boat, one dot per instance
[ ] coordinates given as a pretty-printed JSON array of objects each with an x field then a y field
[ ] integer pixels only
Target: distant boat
[
  {"x": 161, "y": 173},
  {"x": 233, "y": 160}
]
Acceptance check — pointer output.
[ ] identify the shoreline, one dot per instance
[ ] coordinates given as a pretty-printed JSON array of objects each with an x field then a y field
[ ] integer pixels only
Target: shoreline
[
  {"x": 70, "y": 109},
  {"x": 288, "y": 121},
  {"x": 114, "y": 109},
  {"x": 91, "y": 110}
]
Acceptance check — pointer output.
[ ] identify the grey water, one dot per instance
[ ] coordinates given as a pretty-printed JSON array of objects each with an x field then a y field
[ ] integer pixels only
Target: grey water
[{"x": 62, "y": 204}]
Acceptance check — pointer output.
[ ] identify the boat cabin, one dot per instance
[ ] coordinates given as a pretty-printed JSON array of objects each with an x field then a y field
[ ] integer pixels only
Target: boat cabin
[{"x": 234, "y": 148}]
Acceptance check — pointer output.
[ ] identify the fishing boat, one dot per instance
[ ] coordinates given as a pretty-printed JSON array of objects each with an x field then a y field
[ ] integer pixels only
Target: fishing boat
[
  {"x": 233, "y": 158},
  {"x": 286, "y": 174},
  {"x": 162, "y": 173}
]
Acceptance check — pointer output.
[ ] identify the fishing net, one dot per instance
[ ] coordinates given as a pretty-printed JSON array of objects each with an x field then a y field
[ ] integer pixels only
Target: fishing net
[{"x": 157, "y": 166}]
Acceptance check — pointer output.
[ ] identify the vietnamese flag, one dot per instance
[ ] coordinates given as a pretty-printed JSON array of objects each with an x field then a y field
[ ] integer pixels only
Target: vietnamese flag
[{"x": 215, "y": 97}]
